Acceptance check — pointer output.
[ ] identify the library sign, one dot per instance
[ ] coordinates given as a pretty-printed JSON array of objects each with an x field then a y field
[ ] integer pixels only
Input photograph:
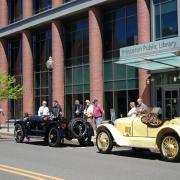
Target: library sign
[{"x": 152, "y": 48}]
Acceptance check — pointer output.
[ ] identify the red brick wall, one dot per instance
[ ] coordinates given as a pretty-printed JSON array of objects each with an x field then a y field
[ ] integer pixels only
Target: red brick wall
[
  {"x": 3, "y": 49},
  {"x": 144, "y": 34},
  {"x": 96, "y": 55},
  {"x": 27, "y": 58},
  {"x": 56, "y": 3},
  {"x": 58, "y": 66}
]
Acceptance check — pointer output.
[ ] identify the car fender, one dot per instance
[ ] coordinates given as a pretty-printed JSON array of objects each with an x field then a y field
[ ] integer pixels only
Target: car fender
[
  {"x": 118, "y": 138},
  {"x": 169, "y": 128}
]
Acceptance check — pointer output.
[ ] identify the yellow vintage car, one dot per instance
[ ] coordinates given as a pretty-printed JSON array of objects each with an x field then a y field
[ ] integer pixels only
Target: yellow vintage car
[{"x": 142, "y": 131}]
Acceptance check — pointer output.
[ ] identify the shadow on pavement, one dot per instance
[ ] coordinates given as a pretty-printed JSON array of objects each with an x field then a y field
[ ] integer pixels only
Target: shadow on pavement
[
  {"x": 142, "y": 154},
  {"x": 43, "y": 143}
]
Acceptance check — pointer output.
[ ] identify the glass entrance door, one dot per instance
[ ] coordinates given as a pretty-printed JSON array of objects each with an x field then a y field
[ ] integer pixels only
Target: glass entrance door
[{"x": 171, "y": 103}]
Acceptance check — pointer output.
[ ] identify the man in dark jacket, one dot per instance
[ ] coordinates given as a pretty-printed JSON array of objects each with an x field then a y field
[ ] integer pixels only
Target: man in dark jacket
[
  {"x": 56, "y": 109},
  {"x": 78, "y": 109}
]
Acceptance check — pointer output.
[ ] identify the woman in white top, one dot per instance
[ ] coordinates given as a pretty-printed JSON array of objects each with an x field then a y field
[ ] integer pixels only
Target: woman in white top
[
  {"x": 88, "y": 113},
  {"x": 132, "y": 111},
  {"x": 43, "y": 110}
]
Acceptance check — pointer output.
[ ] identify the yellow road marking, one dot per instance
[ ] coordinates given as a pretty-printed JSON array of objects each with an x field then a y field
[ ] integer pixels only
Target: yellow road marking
[
  {"x": 29, "y": 173},
  {"x": 21, "y": 174}
]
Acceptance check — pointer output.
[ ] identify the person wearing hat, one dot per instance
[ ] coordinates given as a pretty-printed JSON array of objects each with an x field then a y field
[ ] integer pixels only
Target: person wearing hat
[
  {"x": 88, "y": 113},
  {"x": 98, "y": 112}
]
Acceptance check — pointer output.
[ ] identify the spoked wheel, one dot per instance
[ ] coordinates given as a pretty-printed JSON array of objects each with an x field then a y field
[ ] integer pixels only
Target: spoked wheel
[
  {"x": 53, "y": 137},
  {"x": 104, "y": 141},
  {"x": 78, "y": 127},
  {"x": 19, "y": 133},
  {"x": 170, "y": 147}
]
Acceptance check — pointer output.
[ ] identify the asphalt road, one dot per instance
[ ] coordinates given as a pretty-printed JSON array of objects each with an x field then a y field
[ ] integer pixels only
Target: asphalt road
[{"x": 72, "y": 162}]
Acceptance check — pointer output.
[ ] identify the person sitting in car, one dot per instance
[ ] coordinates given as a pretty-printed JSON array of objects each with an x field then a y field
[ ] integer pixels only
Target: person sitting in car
[
  {"x": 141, "y": 107},
  {"x": 43, "y": 111},
  {"x": 78, "y": 109},
  {"x": 132, "y": 111},
  {"x": 56, "y": 109}
]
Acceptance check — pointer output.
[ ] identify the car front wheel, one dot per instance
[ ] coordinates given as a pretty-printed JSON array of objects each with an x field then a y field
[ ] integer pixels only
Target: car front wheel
[
  {"x": 104, "y": 141},
  {"x": 170, "y": 147},
  {"x": 53, "y": 137},
  {"x": 18, "y": 133}
]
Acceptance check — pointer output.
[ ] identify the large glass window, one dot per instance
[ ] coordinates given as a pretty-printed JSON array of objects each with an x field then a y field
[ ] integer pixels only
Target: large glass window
[
  {"x": 42, "y": 77},
  {"x": 14, "y": 10},
  {"x": 15, "y": 69},
  {"x": 76, "y": 63},
  {"x": 166, "y": 18},
  {"x": 120, "y": 81},
  {"x": 41, "y": 5}
]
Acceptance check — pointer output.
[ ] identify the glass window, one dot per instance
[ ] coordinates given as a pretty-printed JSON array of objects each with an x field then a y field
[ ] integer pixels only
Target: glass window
[
  {"x": 120, "y": 30},
  {"x": 41, "y": 5},
  {"x": 76, "y": 63},
  {"x": 42, "y": 77},
  {"x": 14, "y": 10},
  {"x": 166, "y": 22}
]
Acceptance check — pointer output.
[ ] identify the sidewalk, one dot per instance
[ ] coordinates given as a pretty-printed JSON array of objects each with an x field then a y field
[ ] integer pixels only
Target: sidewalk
[{"x": 7, "y": 129}]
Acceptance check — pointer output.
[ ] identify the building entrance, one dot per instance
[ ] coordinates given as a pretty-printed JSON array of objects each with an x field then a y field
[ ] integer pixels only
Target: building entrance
[{"x": 171, "y": 103}]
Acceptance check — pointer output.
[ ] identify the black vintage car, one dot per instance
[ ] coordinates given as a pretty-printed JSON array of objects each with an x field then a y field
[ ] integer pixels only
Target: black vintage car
[{"x": 54, "y": 130}]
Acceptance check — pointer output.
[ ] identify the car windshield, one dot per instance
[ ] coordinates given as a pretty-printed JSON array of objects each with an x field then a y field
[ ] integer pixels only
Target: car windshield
[{"x": 154, "y": 110}]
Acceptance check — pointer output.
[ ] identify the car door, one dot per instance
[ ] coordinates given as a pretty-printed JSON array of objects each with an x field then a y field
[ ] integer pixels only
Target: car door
[{"x": 139, "y": 128}]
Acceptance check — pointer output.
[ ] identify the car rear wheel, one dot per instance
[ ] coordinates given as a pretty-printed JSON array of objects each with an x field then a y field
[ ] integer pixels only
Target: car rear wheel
[
  {"x": 170, "y": 147},
  {"x": 104, "y": 141},
  {"x": 53, "y": 137},
  {"x": 78, "y": 127},
  {"x": 19, "y": 133}
]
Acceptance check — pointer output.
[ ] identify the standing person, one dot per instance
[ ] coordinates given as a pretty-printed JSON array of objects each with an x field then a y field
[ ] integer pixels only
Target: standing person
[
  {"x": 56, "y": 109},
  {"x": 98, "y": 112},
  {"x": 132, "y": 111},
  {"x": 1, "y": 116},
  {"x": 43, "y": 110},
  {"x": 141, "y": 107},
  {"x": 78, "y": 109},
  {"x": 88, "y": 113}
]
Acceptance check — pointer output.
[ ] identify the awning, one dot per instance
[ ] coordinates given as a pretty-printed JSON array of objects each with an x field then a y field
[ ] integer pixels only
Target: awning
[{"x": 158, "y": 55}]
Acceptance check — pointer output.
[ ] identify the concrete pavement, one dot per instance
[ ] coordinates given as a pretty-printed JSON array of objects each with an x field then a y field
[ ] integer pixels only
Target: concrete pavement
[{"x": 72, "y": 162}]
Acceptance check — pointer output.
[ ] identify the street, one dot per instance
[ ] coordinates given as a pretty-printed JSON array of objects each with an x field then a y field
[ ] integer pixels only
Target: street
[{"x": 72, "y": 162}]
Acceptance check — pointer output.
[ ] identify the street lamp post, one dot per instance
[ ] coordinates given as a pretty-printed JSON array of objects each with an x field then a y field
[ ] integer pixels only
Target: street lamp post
[{"x": 49, "y": 66}]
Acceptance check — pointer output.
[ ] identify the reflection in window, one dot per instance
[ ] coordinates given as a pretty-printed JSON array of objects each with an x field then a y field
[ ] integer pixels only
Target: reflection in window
[
  {"x": 41, "y": 5},
  {"x": 14, "y": 10},
  {"x": 120, "y": 30},
  {"x": 15, "y": 69},
  {"x": 166, "y": 24},
  {"x": 41, "y": 53},
  {"x": 76, "y": 63}
]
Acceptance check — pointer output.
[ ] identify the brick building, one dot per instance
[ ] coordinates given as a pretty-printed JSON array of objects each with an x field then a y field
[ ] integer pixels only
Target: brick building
[{"x": 87, "y": 39}]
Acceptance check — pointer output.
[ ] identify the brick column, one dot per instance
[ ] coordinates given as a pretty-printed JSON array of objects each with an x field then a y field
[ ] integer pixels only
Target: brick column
[
  {"x": 56, "y": 3},
  {"x": 96, "y": 55},
  {"x": 144, "y": 34},
  {"x": 58, "y": 67},
  {"x": 27, "y": 7},
  {"x": 27, "y": 60},
  {"x": 3, "y": 50}
]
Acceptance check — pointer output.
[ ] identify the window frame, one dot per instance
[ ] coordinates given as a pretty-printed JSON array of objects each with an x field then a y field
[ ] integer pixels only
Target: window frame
[{"x": 153, "y": 25}]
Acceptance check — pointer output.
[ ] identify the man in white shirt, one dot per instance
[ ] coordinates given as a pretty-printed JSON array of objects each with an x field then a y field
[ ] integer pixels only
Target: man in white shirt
[{"x": 43, "y": 110}]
